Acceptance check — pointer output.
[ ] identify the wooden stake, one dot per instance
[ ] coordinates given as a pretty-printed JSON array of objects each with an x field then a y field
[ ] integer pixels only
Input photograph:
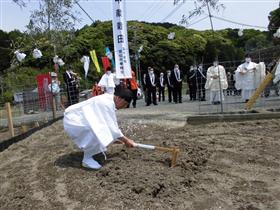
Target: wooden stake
[
  {"x": 175, "y": 154},
  {"x": 53, "y": 107},
  {"x": 36, "y": 124},
  {"x": 24, "y": 128},
  {"x": 10, "y": 119}
]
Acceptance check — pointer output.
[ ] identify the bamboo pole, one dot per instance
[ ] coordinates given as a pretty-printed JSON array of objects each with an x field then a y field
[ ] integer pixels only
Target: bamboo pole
[{"x": 10, "y": 119}]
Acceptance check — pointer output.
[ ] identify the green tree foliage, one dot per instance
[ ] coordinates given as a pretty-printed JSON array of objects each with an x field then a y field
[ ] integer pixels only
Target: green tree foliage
[
  {"x": 274, "y": 24},
  {"x": 5, "y": 51}
]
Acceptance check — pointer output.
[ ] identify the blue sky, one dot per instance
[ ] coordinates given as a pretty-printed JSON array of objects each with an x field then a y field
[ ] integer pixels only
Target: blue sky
[{"x": 251, "y": 12}]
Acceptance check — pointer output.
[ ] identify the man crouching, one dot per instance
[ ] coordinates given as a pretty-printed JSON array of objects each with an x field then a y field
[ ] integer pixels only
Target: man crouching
[{"x": 92, "y": 124}]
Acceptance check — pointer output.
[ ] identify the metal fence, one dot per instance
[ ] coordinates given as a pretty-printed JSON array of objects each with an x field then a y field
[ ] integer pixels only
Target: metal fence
[{"x": 32, "y": 107}]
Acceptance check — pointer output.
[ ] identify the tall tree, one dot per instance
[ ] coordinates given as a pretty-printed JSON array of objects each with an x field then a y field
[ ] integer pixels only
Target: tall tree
[
  {"x": 51, "y": 18},
  {"x": 201, "y": 6},
  {"x": 274, "y": 25}
]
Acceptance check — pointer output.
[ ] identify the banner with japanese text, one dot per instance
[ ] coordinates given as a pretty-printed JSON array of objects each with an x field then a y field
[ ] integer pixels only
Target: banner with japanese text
[{"x": 122, "y": 60}]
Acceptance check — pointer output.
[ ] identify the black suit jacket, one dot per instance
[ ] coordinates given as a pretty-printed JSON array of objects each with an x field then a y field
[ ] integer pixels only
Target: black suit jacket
[
  {"x": 148, "y": 81},
  {"x": 174, "y": 81}
]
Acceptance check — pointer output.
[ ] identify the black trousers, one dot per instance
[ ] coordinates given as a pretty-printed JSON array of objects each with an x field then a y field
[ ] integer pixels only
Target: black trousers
[
  {"x": 177, "y": 94},
  {"x": 192, "y": 88},
  {"x": 134, "y": 99},
  {"x": 151, "y": 95},
  {"x": 170, "y": 93},
  {"x": 161, "y": 94},
  {"x": 201, "y": 90}
]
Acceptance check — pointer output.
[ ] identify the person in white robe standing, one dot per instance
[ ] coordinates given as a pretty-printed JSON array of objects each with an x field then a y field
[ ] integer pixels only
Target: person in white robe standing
[
  {"x": 248, "y": 77},
  {"x": 92, "y": 124},
  {"x": 107, "y": 82},
  {"x": 276, "y": 79},
  {"x": 216, "y": 82}
]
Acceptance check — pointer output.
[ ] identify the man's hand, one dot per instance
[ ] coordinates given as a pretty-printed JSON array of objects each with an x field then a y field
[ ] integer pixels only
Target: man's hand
[{"x": 128, "y": 142}]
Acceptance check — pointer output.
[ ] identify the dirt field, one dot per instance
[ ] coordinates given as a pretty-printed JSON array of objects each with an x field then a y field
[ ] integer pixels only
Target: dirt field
[{"x": 221, "y": 166}]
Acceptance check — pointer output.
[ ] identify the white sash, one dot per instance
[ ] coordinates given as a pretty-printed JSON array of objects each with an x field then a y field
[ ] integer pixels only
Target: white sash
[
  {"x": 177, "y": 75},
  {"x": 161, "y": 81},
  {"x": 152, "y": 79}
]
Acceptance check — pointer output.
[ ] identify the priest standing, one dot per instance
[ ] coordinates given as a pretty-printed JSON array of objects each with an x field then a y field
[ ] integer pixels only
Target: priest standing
[
  {"x": 107, "y": 82},
  {"x": 216, "y": 82},
  {"x": 248, "y": 77}
]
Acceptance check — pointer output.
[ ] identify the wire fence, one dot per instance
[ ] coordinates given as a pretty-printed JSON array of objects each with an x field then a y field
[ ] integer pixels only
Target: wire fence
[{"x": 35, "y": 105}]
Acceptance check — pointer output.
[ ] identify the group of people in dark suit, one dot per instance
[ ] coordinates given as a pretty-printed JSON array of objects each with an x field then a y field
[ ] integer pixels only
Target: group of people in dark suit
[
  {"x": 196, "y": 78},
  {"x": 173, "y": 81}
]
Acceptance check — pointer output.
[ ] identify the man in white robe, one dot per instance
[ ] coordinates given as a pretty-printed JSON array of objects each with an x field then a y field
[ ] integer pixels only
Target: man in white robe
[
  {"x": 107, "y": 82},
  {"x": 276, "y": 79},
  {"x": 92, "y": 124},
  {"x": 248, "y": 77},
  {"x": 216, "y": 82}
]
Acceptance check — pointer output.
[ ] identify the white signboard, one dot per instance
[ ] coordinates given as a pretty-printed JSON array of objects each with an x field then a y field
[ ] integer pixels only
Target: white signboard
[{"x": 123, "y": 68}]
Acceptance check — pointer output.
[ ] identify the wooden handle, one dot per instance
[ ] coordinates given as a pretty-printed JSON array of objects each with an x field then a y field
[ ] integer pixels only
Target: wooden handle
[
  {"x": 164, "y": 149},
  {"x": 174, "y": 157}
]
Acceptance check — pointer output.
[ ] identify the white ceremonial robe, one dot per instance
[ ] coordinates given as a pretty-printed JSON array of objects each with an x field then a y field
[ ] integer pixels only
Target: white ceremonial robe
[
  {"x": 214, "y": 84},
  {"x": 250, "y": 80},
  {"x": 92, "y": 124},
  {"x": 277, "y": 75},
  {"x": 107, "y": 82}
]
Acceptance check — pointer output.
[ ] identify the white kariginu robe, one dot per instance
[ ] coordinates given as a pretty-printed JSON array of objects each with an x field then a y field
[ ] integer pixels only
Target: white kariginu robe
[
  {"x": 107, "y": 82},
  {"x": 250, "y": 80},
  {"x": 92, "y": 124}
]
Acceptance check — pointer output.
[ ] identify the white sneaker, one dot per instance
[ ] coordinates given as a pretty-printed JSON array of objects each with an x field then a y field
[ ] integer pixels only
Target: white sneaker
[{"x": 91, "y": 163}]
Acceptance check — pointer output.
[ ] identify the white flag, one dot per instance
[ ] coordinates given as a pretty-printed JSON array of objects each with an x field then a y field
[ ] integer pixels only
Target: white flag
[
  {"x": 20, "y": 56},
  {"x": 85, "y": 59},
  {"x": 37, "y": 53},
  {"x": 171, "y": 35},
  {"x": 123, "y": 68}
]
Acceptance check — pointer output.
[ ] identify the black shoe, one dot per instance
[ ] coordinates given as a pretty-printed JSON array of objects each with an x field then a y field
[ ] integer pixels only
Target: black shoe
[
  {"x": 147, "y": 104},
  {"x": 155, "y": 104}
]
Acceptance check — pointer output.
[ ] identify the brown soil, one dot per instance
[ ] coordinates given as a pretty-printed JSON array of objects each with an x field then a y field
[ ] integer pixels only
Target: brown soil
[{"x": 221, "y": 166}]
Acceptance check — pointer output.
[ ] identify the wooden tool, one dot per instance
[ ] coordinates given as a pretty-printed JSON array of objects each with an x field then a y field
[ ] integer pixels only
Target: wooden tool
[{"x": 173, "y": 150}]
